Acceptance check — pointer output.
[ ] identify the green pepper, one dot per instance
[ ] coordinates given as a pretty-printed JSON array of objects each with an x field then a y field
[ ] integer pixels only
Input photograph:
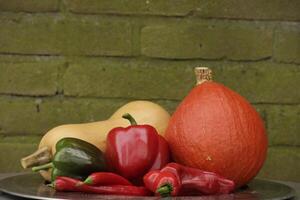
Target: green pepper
[
  {"x": 74, "y": 158},
  {"x": 74, "y": 142},
  {"x": 56, "y": 173}
]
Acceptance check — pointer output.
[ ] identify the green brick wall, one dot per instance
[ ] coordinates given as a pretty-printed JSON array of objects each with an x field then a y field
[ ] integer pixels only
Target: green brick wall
[{"x": 72, "y": 61}]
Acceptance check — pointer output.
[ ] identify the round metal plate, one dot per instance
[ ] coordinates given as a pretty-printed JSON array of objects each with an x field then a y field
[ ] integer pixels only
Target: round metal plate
[{"x": 32, "y": 186}]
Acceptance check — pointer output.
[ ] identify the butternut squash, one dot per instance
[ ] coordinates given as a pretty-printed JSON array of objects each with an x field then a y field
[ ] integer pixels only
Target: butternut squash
[{"x": 145, "y": 112}]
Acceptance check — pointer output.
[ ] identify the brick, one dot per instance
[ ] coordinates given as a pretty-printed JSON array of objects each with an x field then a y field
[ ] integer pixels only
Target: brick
[
  {"x": 34, "y": 36},
  {"x": 197, "y": 41},
  {"x": 283, "y": 163},
  {"x": 283, "y": 124},
  {"x": 262, "y": 82},
  {"x": 42, "y": 114},
  {"x": 286, "y": 47},
  {"x": 18, "y": 116},
  {"x": 259, "y": 82},
  {"x": 55, "y": 112},
  {"x": 29, "y": 78},
  {"x": 128, "y": 78},
  {"x": 166, "y": 8},
  {"x": 235, "y": 9},
  {"x": 248, "y": 43},
  {"x": 12, "y": 150},
  {"x": 98, "y": 37},
  {"x": 29, "y": 5},
  {"x": 58, "y": 35}
]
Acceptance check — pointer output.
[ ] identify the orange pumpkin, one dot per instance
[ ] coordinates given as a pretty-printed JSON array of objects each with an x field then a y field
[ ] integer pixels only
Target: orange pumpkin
[{"x": 217, "y": 130}]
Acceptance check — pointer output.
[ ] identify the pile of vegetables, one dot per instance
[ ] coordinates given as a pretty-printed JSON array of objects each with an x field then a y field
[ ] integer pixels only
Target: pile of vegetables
[
  {"x": 144, "y": 112},
  {"x": 214, "y": 143}
]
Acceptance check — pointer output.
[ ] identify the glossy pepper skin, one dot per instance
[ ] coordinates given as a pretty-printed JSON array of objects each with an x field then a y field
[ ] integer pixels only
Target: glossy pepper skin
[
  {"x": 75, "y": 158},
  {"x": 75, "y": 143},
  {"x": 56, "y": 172},
  {"x": 163, "y": 154},
  {"x": 106, "y": 178},
  {"x": 134, "y": 150},
  {"x": 175, "y": 179},
  {"x": 67, "y": 184}
]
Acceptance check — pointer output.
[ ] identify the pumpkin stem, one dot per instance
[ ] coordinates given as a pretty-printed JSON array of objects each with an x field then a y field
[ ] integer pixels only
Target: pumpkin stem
[{"x": 203, "y": 74}]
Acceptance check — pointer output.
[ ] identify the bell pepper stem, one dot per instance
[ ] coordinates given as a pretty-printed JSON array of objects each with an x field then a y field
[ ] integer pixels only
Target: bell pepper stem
[
  {"x": 42, "y": 167},
  {"x": 164, "y": 190},
  {"x": 130, "y": 118}
]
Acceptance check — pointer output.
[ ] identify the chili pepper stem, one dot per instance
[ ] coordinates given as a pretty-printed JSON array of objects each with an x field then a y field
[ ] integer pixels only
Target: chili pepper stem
[
  {"x": 50, "y": 185},
  {"x": 130, "y": 118},
  {"x": 42, "y": 167},
  {"x": 88, "y": 181},
  {"x": 165, "y": 190}
]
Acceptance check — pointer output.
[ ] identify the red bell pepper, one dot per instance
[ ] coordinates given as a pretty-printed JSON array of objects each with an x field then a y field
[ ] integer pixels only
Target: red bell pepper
[
  {"x": 134, "y": 150},
  {"x": 163, "y": 154},
  {"x": 175, "y": 179}
]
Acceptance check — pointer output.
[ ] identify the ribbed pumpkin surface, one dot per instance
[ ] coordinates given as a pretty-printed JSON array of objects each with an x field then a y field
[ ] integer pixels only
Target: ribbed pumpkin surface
[{"x": 217, "y": 130}]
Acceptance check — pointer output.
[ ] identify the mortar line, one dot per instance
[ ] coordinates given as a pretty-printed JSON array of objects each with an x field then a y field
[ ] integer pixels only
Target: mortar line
[
  {"x": 185, "y": 16},
  {"x": 140, "y": 16},
  {"x": 284, "y": 145},
  {"x": 74, "y": 97},
  {"x": 145, "y": 58}
]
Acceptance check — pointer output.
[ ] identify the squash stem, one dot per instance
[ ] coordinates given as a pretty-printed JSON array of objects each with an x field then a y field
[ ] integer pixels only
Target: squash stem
[
  {"x": 130, "y": 118},
  {"x": 41, "y": 156}
]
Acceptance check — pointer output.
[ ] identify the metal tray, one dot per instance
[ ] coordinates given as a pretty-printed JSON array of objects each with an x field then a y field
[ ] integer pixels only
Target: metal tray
[{"x": 32, "y": 186}]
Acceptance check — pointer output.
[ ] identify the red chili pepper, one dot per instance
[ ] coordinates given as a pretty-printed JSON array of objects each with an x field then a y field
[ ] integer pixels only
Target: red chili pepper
[
  {"x": 134, "y": 150},
  {"x": 106, "y": 178},
  {"x": 66, "y": 184},
  {"x": 186, "y": 181},
  {"x": 168, "y": 183},
  {"x": 205, "y": 182},
  {"x": 62, "y": 185}
]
